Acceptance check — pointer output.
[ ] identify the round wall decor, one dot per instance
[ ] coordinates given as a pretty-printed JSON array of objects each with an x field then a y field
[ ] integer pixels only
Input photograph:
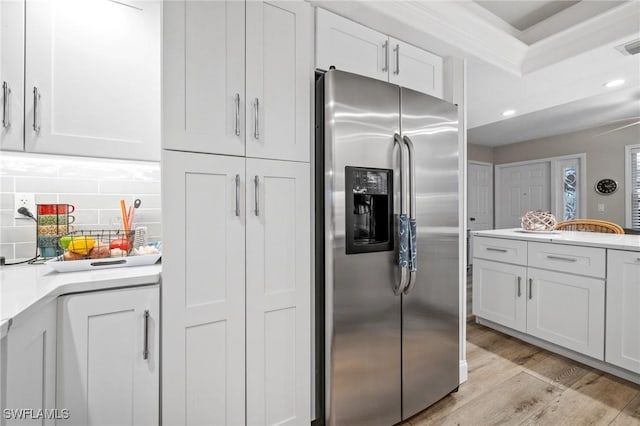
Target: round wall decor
[{"x": 606, "y": 186}]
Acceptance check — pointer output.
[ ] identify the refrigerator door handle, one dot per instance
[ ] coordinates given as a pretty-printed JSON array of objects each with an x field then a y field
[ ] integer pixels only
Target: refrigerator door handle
[
  {"x": 412, "y": 205},
  {"x": 404, "y": 270}
]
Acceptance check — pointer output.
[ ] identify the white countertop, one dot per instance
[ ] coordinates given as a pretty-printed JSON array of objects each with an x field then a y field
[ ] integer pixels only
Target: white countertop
[
  {"x": 590, "y": 239},
  {"x": 24, "y": 288}
]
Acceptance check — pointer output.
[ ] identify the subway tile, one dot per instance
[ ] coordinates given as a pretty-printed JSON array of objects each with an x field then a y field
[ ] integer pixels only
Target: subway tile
[
  {"x": 44, "y": 185},
  {"x": 111, "y": 219},
  {"x": 129, "y": 187},
  {"x": 91, "y": 201},
  {"x": 6, "y": 201},
  {"x": 149, "y": 201},
  {"x": 6, "y": 250},
  {"x": 86, "y": 217},
  {"x": 28, "y": 168},
  {"x": 7, "y": 184},
  {"x": 147, "y": 215},
  {"x": 46, "y": 198},
  {"x": 6, "y": 218},
  {"x": 18, "y": 234},
  {"x": 25, "y": 250}
]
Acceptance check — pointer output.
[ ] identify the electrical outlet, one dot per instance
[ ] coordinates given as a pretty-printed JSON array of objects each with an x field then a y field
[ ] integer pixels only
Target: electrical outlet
[{"x": 24, "y": 199}]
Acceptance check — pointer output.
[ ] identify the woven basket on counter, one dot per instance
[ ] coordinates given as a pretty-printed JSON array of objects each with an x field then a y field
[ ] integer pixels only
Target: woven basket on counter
[{"x": 538, "y": 221}]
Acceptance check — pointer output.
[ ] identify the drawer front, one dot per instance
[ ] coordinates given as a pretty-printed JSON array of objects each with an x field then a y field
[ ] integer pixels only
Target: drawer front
[
  {"x": 500, "y": 250},
  {"x": 571, "y": 259}
]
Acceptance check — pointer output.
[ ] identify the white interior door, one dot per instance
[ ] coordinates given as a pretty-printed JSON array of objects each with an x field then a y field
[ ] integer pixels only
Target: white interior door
[
  {"x": 279, "y": 73},
  {"x": 203, "y": 290},
  {"x": 479, "y": 196},
  {"x": 351, "y": 47},
  {"x": 519, "y": 189},
  {"x": 278, "y": 293},
  {"x": 11, "y": 74},
  {"x": 103, "y": 376},
  {"x": 203, "y": 76},
  {"x": 96, "y": 67},
  {"x": 415, "y": 68}
]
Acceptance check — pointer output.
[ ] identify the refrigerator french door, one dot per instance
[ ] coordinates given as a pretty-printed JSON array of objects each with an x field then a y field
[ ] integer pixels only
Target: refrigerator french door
[{"x": 385, "y": 156}]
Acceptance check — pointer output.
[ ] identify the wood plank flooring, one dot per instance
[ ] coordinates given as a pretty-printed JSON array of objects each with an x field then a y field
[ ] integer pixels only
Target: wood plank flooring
[{"x": 514, "y": 383}]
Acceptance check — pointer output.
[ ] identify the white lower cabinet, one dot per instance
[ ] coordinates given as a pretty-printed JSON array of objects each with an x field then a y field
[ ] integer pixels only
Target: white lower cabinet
[
  {"x": 499, "y": 293},
  {"x": 278, "y": 293},
  {"x": 567, "y": 310},
  {"x": 212, "y": 205},
  {"x": 623, "y": 313},
  {"x": 203, "y": 289},
  {"x": 562, "y": 308},
  {"x": 29, "y": 366},
  {"x": 108, "y": 357}
]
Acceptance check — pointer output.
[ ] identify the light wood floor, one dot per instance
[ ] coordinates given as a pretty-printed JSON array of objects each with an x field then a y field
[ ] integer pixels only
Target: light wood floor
[{"x": 514, "y": 383}]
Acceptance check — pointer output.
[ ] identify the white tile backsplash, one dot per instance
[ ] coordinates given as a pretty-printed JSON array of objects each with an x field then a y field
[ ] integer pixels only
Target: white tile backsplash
[{"x": 94, "y": 186}]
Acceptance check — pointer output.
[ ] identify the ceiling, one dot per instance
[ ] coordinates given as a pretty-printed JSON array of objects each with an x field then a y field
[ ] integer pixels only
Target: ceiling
[{"x": 547, "y": 60}]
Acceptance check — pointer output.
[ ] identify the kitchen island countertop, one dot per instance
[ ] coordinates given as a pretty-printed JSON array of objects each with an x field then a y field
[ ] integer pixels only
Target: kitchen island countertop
[
  {"x": 26, "y": 288},
  {"x": 589, "y": 239}
]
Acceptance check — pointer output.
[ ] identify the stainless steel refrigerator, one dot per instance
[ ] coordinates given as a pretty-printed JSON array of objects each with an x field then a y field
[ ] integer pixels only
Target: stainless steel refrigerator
[{"x": 387, "y": 263}]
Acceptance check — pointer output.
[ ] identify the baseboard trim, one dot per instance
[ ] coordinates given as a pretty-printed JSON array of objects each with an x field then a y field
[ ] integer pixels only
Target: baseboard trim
[
  {"x": 464, "y": 371},
  {"x": 591, "y": 362}
]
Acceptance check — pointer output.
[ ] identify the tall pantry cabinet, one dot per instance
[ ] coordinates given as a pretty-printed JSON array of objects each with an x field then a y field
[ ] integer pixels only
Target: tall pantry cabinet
[{"x": 237, "y": 81}]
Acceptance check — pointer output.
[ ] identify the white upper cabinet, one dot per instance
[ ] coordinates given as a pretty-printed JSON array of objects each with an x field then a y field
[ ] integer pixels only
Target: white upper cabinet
[
  {"x": 278, "y": 80},
  {"x": 623, "y": 315},
  {"x": 203, "y": 76},
  {"x": 108, "y": 357},
  {"x": 415, "y": 68},
  {"x": 11, "y": 74},
  {"x": 350, "y": 46},
  {"x": 355, "y": 48},
  {"x": 92, "y": 78},
  {"x": 203, "y": 290},
  {"x": 278, "y": 293}
]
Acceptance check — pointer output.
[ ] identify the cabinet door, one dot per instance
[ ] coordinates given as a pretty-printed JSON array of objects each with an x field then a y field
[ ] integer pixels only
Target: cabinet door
[
  {"x": 499, "y": 293},
  {"x": 108, "y": 357},
  {"x": 623, "y": 315},
  {"x": 415, "y": 68},
  {"x": 279, "y": 80},
  {"x": 203, "y": 290},
  {"x": 350, "y": 46},
  {"x": 567, "y": 310},
  {"x": 278, "y": 293},
  {"x": 31, "y": 365},
  {"x": 92, "y": 81},
  {"x": 11, "y": 74},
  {"x": 203, "y": 76}
]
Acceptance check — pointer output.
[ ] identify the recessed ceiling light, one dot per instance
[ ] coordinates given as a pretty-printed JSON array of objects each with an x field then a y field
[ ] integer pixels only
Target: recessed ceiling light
[
  {"x": 508, "y": 112},
  {"x": 614, "y": 83}
]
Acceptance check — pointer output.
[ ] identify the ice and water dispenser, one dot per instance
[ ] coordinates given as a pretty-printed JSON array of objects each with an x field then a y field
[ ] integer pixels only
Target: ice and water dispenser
[{"x": 369, "y": 210}]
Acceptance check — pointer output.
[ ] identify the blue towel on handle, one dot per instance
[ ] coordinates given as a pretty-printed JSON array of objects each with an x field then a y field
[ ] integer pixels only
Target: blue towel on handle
[
  {"x": 413, "y": 246},
  {"x": 403, "y": 241}
]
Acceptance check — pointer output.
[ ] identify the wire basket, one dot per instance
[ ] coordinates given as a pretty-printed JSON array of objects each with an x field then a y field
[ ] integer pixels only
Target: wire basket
[
  {"x": 101, "y": 244},
  {"x": 538, "y": 221}
]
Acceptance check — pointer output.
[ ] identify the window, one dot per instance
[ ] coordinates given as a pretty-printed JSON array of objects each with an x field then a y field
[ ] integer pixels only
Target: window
[
  {"x": 570, "y": 192},
  {"x": 632, "y": 187},
  {"x": 568, "y": 187}
]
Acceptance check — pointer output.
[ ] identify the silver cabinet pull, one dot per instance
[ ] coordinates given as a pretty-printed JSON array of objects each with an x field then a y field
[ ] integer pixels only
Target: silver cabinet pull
[
  {"x": 404, "y": 271},
  {"x": 237, "y": 114},
  {"x": 397, "y": 50},
  {"x": 564, "y": 259},
  {"x": 519, "y": 289},
  {"x": 36, "y": 110},
  {"x": 237, "y": 195},
  {"x": 530, "y": 288},
  {"x": 385, "y": 46},
  {"x": 496, "y": 249},
  {"x": 6, "y": 91},
  {"x": 256, "y": 180},
  {"x": 145, "y": 350},
  {"x": 256, "y": 120}
]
